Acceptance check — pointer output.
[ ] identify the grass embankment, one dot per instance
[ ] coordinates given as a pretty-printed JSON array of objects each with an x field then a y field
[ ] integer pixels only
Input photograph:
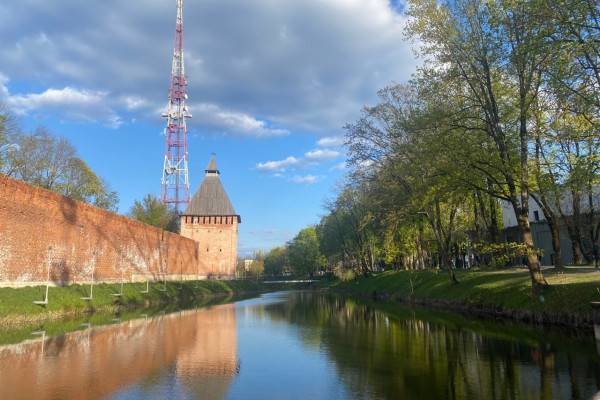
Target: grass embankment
[
  {"x": 17, "y": 307},
  {"x": 505, "y": 293},
  {"x": 56, "y": 327}
]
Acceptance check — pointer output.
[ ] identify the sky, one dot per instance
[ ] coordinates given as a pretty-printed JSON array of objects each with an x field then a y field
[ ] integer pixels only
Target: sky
[{"x": 271, "y": 85}]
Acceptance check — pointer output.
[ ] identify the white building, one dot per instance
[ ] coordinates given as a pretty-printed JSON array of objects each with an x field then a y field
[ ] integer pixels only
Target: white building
[{"x": 540, "y": 229}]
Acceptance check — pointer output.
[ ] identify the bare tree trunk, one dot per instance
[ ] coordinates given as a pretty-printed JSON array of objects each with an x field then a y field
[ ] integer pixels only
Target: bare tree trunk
[
  {"x": 445, "y": 263},
  {"x": 553, "y": 224},
  {"x": 577, "y": 251},
  {"x": 494, "y": 226},
  {"x": 555, "y": 233},
  {"x": 444, "y": 239},
  {"x": 556, "y": 246},
  {"x": 535, "y": 272},
  {"x": 577, "y": 228}
]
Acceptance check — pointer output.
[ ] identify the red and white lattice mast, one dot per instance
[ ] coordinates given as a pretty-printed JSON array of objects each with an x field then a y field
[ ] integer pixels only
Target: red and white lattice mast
[{"x": 175, "y": 183}]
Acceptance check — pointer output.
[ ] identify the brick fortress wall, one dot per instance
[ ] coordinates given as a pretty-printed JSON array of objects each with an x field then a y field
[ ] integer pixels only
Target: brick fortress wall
[
  {"x": 40, "y": 228},
  {"x": 217, "y": 238}
]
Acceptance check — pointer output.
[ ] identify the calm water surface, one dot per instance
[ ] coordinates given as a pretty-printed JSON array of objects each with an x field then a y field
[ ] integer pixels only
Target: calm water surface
[{"x": 300, "y": 345}]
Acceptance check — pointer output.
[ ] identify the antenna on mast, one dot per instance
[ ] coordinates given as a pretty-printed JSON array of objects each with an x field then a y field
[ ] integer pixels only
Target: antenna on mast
[{"x": 175, "y": 182}]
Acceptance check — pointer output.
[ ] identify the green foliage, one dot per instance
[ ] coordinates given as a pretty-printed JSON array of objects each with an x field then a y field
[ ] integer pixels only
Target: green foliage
[
  {"x": 257, "y": 268},
  {"x": 150, "y": 210},
  {"x": 276, "y": 261},
  {"x": 52, "y": 163},
  {"x": 502, "y": 107},
  {"x": 498, "y": 255},
  {"x": 348, "y": 234},
  {"x": 17, "y": 308},
  {"x": 570, "y": 293},
  {"x": 303, "y": 253}
]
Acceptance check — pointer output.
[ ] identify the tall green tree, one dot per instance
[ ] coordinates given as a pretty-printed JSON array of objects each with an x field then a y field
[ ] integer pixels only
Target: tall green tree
[
  {"x": 51, "y": 162},
  {"x": 304, "y": 255},
  {"x": 152, "y": 211},
  {"x": 495, "y": 53},
  {"x": 257, "y": 266},
  {"x": 276, "y": 261}
]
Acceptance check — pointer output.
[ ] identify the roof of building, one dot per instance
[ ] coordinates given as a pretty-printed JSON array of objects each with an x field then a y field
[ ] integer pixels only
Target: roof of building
[
  {"x": 211, "y": 198},
  {"x": 212, "y": 164}
]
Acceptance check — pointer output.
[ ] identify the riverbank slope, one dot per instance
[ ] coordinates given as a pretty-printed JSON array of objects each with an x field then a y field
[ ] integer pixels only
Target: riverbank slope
[
  {"x": 17, "y": 304},
  {"x": 505, "y": 293}
]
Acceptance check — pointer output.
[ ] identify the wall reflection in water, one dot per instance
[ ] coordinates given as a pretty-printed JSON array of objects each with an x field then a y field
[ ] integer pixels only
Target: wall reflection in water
[
  {"x": 198, "y": 345},
  {"x": 302, "y": 345},
  {"x": 418, "y": 354}
]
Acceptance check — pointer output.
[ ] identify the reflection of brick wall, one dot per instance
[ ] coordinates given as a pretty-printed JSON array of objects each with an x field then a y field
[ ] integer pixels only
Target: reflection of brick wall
[
  {"x": 97, "y": 362},
  {"x": 217, "y": 238},
  {"x": 81, "y": 236}
]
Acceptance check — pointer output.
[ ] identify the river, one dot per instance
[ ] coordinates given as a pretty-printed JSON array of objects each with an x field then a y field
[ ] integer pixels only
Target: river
[{"x": 301, "y": 345}]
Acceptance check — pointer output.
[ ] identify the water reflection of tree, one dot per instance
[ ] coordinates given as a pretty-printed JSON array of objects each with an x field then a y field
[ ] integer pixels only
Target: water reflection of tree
[{"x": 383, "y": 357}]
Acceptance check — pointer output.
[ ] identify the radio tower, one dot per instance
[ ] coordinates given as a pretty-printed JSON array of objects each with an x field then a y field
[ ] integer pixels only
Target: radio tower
[{"x": 175, "y": 183}]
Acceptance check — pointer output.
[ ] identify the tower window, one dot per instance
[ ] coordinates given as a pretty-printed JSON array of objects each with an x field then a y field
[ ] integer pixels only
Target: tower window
[{"x": 536, "y": 215}]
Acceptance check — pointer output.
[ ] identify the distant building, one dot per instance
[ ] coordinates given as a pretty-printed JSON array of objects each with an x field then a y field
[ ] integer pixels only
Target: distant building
[
  {"x": 247, "y": 265},
  {"x": 540, "y": 230},
  {"x": 211, "y": 220}
]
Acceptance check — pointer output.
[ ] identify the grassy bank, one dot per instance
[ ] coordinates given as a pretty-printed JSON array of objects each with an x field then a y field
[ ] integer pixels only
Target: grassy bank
[
  {"x": 504, "y": 293},
  {"x": 17, "y": 307},
  {"x": 56, "y": 327}
]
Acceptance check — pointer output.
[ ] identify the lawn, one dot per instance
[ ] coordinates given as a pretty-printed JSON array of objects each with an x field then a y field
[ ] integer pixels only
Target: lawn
[
  {"x": 17, "y": 304},
  {"x": 510, "y": 289}
]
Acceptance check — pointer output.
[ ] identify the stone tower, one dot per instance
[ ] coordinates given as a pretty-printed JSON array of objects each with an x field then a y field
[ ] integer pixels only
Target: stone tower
[{"x": 211, "y": 220}]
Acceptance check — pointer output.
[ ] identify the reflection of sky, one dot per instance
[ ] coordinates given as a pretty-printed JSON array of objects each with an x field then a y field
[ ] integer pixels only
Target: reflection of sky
[
  {"x": 299, "y": 345},
  {"x": 275, "y": 363}
]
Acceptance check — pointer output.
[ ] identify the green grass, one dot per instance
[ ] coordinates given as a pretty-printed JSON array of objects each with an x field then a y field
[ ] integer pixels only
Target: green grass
[
  {"x": 17, "y": 307},
  {"x": 55, "y": 327},
  {"x": 569, "y": 293}
]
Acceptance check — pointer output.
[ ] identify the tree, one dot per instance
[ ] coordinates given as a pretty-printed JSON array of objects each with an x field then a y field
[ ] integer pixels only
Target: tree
[
  {"x": 7, "y": 132},
  {"x": 276, "y": 261},
  {"x": 150, "y": 210},
  {"x": 494, "y": 53},
  {"x": 303, "y": 253},
  {"x": 257, "y": 266},
  {"x": 52, "y": 163}
]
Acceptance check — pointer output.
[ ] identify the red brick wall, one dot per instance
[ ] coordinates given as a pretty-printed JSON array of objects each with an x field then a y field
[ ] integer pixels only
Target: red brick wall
[{"x": 83, "y": 239}]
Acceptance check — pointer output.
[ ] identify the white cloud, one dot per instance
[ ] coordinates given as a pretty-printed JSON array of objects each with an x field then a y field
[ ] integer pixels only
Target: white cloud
[
  {"x": 275, "y": 67},
  {"x": 305, "y": 179},
  {"x": 56, "y": 98},
  {"x": 310, "y": 159},
  {"x": 321, "y": 155},
  {"x": 133, "y": 103},
  {"x": 71, "y": 103},
  {"x": 3, "y": 88},
  {"x": 331, "y": 141},
  {"x": 339, "y": 166},
  {"x": 277, "y": 166},
  {"x": 212, "y": 116}
]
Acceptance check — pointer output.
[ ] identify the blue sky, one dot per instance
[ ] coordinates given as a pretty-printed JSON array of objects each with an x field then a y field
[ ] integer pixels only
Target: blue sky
[{"x": 272, "y": 82}]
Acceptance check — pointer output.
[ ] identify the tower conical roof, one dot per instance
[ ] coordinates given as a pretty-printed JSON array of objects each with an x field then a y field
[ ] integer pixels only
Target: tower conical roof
[
  {"x": 212, "y": 164},
  {"x": 211, "y": 198}
]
